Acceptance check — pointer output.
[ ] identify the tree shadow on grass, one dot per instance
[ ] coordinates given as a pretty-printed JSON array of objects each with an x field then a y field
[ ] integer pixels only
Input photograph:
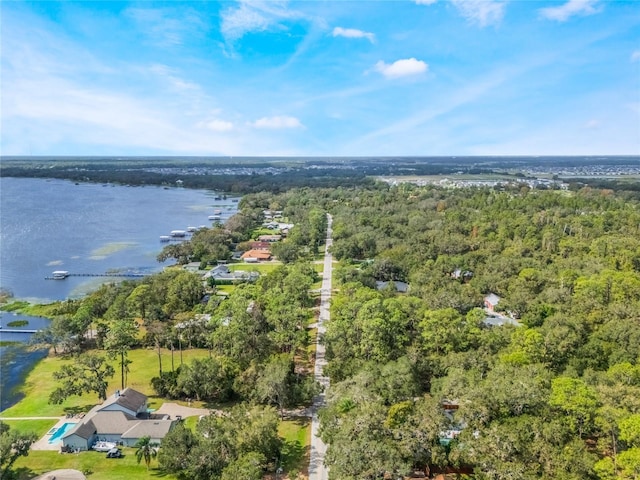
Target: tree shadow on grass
[
  {"x": 78, "y": 410},
  {"x": 294, "y": 455},
  {"x": 24, "y": 473},
  {"x": 158, "y": 472}
]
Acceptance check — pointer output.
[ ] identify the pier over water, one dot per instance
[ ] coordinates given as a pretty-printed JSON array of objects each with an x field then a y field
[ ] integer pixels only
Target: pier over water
[{"x": 58, "y": 276}]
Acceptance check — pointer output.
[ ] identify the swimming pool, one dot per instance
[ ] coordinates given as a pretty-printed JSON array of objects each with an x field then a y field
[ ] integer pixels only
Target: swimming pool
[{"x": 64, "y": 428}]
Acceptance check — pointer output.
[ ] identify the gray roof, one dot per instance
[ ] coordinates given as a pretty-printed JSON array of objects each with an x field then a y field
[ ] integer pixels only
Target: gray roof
[
  {"x": 129, "y": 398},
  {"x": 498, "y": 321},
  {"x": 492, "y": 298},
  {"x": 84, "y": 429},
  {"x": 220, "y": 269},
  {"x": 401, "y": 287},
  {"x": 151, "y": 428},
  {"x": 112, "y": 422}
]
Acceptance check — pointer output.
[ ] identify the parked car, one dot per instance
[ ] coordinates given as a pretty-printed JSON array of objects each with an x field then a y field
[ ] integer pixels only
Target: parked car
[{"x": 114, "y": 453}]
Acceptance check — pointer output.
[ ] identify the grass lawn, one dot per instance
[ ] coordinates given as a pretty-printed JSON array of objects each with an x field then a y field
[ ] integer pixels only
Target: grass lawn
[
  {"x": 228, "y": 289},
  {"x": 40, "y": 383},
  {"x": 191, "y": 422},
  {"x": 39, "y": 427},
  {"x": 255, "y": 267},
  {"x": 102, "y": 468},
  {"x": 296, "y": 434}
]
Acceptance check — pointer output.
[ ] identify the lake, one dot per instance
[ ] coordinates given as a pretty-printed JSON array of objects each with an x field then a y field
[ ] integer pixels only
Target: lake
[{"x": 48, "y": 225}]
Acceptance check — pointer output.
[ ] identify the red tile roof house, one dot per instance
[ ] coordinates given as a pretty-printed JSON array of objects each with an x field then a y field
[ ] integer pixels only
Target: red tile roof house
[
  {"x": 121, "y": 418},
  {"x": 256, "y": 255},
  {"x": 491, "y": 301}
]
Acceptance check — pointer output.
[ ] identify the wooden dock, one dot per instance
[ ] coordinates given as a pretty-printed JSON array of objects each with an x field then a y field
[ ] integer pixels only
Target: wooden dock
[
  {"x": 6, "y": 330},
  {"x": 127, "y": 275}
]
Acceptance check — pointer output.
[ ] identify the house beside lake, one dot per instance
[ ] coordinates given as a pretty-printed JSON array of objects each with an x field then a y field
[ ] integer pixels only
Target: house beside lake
[{"x": 122, "y": 418}]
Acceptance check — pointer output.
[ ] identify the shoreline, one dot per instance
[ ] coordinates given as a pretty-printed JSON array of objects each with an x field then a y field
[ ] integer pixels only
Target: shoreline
[{"x": 20, "y": 358}]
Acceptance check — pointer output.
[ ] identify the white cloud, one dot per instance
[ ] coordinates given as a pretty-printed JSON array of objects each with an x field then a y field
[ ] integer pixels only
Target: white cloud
[
  {"x": 255, "y": 16},
  {"x": 353, "y": 33},
  {"x": 426, "y": 2},
  {"x": 591, "y": 124},
  {"x": 170, "y": 76},
  {"x": 217, "y": 125},
  {"x": 277, "y": 122},
  {"x": 166, "y": 26},
  {"x": 569, "y": 9},
  {"x": 401, "y": 68},
  {"x": 635, "y": 56},
  {"x": 481, "y": 12}
]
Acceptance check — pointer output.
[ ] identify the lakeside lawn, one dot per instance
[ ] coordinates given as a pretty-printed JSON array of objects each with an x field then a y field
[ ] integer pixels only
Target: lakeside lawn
[
  {"x": 39, "y": 427},
  {"x": 101, "y": 467},
  {"x": 39, "y": 383}
]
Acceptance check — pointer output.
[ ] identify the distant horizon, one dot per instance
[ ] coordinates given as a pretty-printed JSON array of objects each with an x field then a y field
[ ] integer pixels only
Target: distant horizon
[
  {"x": 80, "y": 156},
  {"x": 320, "y": 78}
]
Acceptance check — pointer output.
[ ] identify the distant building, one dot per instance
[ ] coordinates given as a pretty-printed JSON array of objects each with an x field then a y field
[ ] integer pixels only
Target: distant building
[
  {"x": 464, "y": 275},
  {"x": 401, "y": 287},
  {"x": 270, "y": 238},
  {"x": 260, "y": 246},
  {"x": 253, "y": 256},
  {"x": 491, "y": 302},
  {"x": 222, "y": 272}
]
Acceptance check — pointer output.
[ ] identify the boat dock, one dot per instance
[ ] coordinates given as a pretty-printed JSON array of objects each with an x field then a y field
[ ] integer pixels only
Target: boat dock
[
  {"x": 128, "y": 275},
  {"x": 7, "y": 330}
]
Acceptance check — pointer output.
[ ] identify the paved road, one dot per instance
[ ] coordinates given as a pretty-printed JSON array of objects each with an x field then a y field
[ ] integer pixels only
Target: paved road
[{"x": 317, "y": 470}]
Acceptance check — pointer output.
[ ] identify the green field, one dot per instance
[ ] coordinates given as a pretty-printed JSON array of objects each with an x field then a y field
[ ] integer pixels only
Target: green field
[
  {"x": 40, "y": 383},
  {"x": 39, "y": 427},
  {"x": 101, "y": 467},
  {"x": 262, "y": 268}
]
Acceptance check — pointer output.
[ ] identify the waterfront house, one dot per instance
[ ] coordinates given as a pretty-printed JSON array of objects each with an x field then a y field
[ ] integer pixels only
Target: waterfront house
[
  {"x": 122, "y": 418},
  {"x": 223, "y": 273}
]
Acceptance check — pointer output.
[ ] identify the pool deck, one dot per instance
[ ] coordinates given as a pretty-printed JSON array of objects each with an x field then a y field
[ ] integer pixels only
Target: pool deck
[{"x": 43, "y": 443}]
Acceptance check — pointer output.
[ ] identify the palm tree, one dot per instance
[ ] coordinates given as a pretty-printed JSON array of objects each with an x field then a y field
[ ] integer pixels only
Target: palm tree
[{"x": 146, "y": 449}]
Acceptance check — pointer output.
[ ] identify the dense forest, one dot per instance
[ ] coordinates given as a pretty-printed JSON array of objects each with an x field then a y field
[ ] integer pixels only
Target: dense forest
[{"x": 420, "y": 380}]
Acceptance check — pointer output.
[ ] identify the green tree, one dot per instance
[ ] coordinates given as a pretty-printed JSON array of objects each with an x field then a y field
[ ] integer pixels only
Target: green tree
[
  {"x": 208, "y": 378},
  {"x": 88, "y": 373},
  {"x": 121, "y": 337},
  {"x": 274, "y": 384},
  {"x": 177, "y": 445},
  {"x": 146, "y": 449},
  {"x": 575, "y": 398},
  {"x": 13, "y": 445},
  {"x": 246, "y": 467}
]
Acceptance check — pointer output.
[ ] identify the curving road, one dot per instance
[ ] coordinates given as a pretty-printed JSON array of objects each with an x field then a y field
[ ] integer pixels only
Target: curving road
[{"x": 317, "y": 469}]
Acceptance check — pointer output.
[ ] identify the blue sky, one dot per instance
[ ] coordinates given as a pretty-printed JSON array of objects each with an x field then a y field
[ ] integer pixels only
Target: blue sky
[{"x": 360, "y": 78}]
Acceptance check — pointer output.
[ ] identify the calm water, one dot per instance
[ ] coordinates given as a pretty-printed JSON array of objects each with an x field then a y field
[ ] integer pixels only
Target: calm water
[{"x": 48, "y": 225}]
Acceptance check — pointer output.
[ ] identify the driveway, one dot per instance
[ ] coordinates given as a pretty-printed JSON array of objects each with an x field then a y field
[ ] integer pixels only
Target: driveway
[{"x": 173, "y": 410}]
